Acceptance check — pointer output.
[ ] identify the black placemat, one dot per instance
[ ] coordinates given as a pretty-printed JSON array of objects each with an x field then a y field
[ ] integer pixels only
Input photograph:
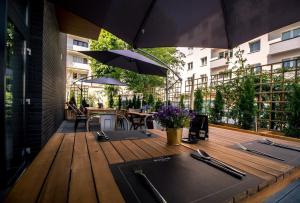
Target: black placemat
[
  {"x": 128, "y": 135},
  {"x": 180, "y": 178},
  {"x": 290, "y": 157}
]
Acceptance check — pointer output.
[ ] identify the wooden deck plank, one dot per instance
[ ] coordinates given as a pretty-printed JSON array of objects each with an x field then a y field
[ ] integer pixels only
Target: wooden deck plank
[
  {"x": 124, "y": 151},
  {"x": 110, "y": 152},
  {"x": 81, "y": 185},
  {"x": 27, "y": 188},
  {"x": 136, "y": 150},
  {"x": 56, "y": 189},
  {"x": 106, "y": 186},
  {"x": 149, "y": 149},
  {"x": 236, "y": 163},
  {"x": 250, "y": 157},
  {"x": 163, "y": 149}
]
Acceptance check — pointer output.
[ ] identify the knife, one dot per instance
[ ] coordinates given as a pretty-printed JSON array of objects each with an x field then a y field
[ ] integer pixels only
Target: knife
[
  {"x": 218, "y": 166},
  {"x": 270, "y": 142},
  {"x": 258, "y": 152}
]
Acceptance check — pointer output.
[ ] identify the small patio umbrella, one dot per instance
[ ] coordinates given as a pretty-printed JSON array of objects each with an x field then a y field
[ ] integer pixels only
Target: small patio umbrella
[
  {"x": 181, "y": 23},
  {"x": 128, "y": 60},
  {"x": 105, "y": 80}
]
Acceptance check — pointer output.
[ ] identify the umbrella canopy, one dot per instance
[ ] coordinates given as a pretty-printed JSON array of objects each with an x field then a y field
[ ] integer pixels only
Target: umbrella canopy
[
  {"x": 128, "y": 60},
  {"x": 106, "y": 81},
  {"x": 181, "y": 23}
]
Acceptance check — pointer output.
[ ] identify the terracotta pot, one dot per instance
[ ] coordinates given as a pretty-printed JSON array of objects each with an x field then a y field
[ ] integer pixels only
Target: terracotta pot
[{"x": 174, "y": 136}]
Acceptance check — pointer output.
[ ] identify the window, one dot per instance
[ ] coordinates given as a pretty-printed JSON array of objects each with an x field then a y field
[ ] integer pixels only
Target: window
[
  {"x": 290, "y": 62},
  {"x": 190, "y": 66},
  {"x": 189, "y": 80},
  {"x": 254, "y": 46},
  {"x": 74, "y": 75},
  {"x": 82, "y": 76},
  {"x": 190, "y": 50},
  {"x": 221, "y": 55},
  {"x": 257, "y": 67},
  {"x": 290, "y": 34},
  {"x": 225, "y": 54},
  {"x": 77, "y": 59},
  {"x": 204, "y": 61},
  {"x": 80, "y": 43}
]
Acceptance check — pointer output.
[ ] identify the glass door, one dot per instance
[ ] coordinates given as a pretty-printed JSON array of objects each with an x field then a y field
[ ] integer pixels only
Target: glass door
[{"x": 14, "y": 96}]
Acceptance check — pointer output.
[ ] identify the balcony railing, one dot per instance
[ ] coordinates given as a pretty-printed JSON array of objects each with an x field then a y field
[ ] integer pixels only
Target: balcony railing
[
  {"x": 284, "y": 46},
  {"x": 219, "y": 62}
]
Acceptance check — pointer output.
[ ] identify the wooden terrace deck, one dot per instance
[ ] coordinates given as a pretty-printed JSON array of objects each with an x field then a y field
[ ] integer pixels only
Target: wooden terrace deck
[{"x": 75, "y": 167}]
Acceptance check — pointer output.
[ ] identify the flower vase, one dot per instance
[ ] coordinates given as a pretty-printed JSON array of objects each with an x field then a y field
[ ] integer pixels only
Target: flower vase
[{"x": 174, "y": 136}]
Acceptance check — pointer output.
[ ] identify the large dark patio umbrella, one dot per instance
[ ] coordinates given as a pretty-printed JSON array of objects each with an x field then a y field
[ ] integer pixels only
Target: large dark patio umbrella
[
  {"x": 106, "y": 81},
  {"x": 128, "y": 60},
  {"x": 192, "y": 23}
]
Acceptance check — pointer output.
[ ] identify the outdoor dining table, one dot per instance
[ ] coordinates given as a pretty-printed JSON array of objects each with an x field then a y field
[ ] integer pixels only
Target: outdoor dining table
[
  {"x": 95, "y": 110},
  {"x": 91, "y": 171}
]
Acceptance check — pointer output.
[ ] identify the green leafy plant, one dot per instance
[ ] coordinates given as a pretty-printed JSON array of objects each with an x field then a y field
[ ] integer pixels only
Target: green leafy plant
[
  {"x": 181, "y": 102},
  {"x": 246, "y": 103},
  {"x": 119, "y": 102},
  {"x": 158, "y": 104},
  {"x": 198, "y": 101},
  {"x": 111, "y": 101},
  {"x": 293, "y": 109},
  {"x": 217, "y": 111},
  {"x": 151, "y": 100}
]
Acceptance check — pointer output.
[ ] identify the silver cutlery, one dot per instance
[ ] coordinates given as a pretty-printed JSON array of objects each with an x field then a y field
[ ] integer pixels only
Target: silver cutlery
[
  {"x": 206, "y": 156},
  {"x": 270, "y": 142},
  {"x": 157, "y": 195},
  {"x": 216, "y": 165},
  {"x": 258, "y": 152}
]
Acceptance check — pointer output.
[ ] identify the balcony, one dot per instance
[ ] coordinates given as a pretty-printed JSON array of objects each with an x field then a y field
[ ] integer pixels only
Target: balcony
[
  {"x": 284, "y": 46},
  {"x": 218, "y": 62},
  {"x": 82, "y": 66}
]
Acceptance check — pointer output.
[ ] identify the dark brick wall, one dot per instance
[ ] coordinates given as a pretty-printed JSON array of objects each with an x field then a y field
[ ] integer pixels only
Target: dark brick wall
[
  {"x": 34, "y": 77},
  {"x": 45, "y": 76},
  {"x": 54, "y": 62}
]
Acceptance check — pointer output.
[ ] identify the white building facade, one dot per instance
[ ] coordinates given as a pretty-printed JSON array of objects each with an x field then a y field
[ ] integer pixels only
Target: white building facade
[
  {"x": 77, "y": 68},
  {"x": 275, "y": 47}
]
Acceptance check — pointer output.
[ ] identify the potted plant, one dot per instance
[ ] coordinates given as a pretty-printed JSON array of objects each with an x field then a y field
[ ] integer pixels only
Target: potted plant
[{"x": 173, "y": 119}]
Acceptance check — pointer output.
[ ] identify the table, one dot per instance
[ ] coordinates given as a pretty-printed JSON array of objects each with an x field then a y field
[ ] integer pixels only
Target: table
[
  {"x": 82, "y": 165},
  {"x": 95, "y": 110}
]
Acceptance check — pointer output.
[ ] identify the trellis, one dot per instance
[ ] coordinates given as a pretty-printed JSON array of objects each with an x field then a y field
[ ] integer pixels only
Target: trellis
[{"x": 271, "y": 84}]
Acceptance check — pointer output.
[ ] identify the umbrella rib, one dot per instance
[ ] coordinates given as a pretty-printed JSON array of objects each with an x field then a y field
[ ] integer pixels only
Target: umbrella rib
[
  {"x": 138, "y": 34},
  {"x": 225, "y": 23}
]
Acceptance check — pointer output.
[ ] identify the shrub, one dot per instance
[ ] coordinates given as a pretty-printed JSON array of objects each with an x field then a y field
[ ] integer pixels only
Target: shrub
[
  {"x": 246, "y": 105},
  {"x": 293, "y": 109},
  {"x": 217, "y": 111},
  {"x": 181, "y": 102},
  {"x": 198, "y": 101}
]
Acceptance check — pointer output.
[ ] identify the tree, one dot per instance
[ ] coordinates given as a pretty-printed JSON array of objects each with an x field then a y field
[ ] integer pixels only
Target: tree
[
  {"x": 293, "y": 109},
  {"x": 181, "y": 102},
  {"x": 119, "y": 102},
  {"x": 134, "y": 101},
  {"x": 198, "y": 101},
  {"x": 217, "y": 111},
  {"x": 136, "y": 82},
  {"x": 246, "y": 103},
  {"x": 150, "y": 100},
  {"x": 111, "y": 101}
]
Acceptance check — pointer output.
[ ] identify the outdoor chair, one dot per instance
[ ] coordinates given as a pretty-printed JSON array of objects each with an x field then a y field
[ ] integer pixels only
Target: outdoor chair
[
  {"x": 79, "y": 115},
  {"x": 149, "y": 122},
  {"x": 136, "y": 122}
]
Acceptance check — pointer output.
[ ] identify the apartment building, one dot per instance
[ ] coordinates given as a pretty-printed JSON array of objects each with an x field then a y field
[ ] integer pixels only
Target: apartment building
[
  {"x": 278, "y": 46},
  {"x": 77, "y": 67}
]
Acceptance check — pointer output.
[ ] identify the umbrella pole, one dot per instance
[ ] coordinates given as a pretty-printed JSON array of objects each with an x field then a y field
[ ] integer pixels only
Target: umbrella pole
[{"x": 167, "y": 90}]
